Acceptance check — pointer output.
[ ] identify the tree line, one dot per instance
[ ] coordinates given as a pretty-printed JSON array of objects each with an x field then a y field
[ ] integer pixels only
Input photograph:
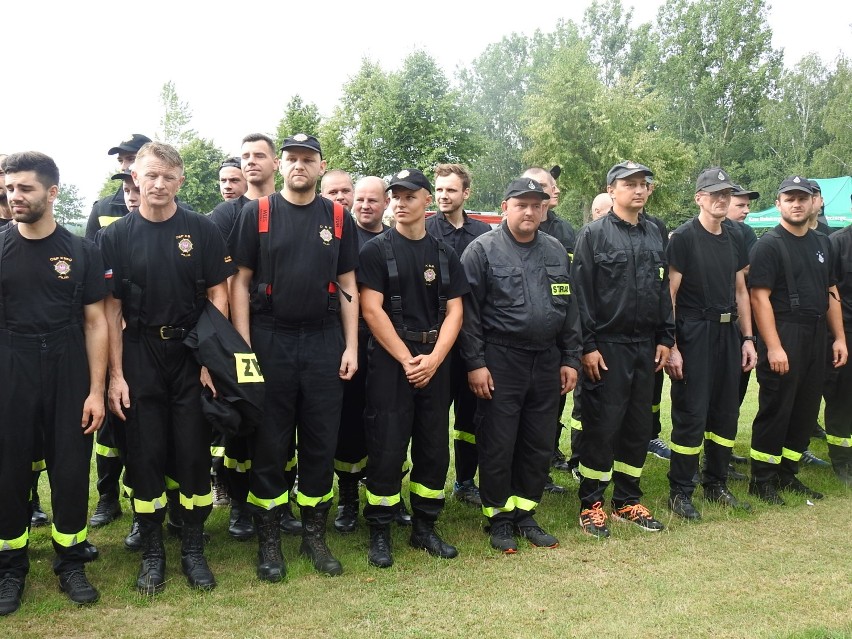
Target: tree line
[{"x": 700, "y": 86}]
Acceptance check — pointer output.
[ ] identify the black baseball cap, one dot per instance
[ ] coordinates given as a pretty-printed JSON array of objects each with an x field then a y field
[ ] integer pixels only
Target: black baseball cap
[
  {"x": 712, "y": 180},
  {"x": 233, "y": 162},
  {"x": 302, "y": 141},
  {"x": 555, "y": 171},
  {"x": 410, "y": 179},
  {"x": 136, "y": 142},
  {"x": 522, "y": 186},
  {"x": 741, "y": 192},
  {"x": 122, "y": 175},
  {"x": 815, "y": 187},
  {"x": 626, "y": 169},
  {"x": 796, "y": 183}
]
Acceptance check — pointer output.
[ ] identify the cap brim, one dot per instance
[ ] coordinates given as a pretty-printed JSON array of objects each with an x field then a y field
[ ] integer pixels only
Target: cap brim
[
  {"x": 411, "y": 186},
  {"x": 751, "y": 195},
  {"x": 122, "y": 176},
  {"x": 301, "y": 146},
  {"x": 717, "y": 187},
  {"x": 798, "y": 187},
  {"x": 543, "y": 196},
  {"x": 628, "y": 172},
  {"x": 122, "y": 149}
]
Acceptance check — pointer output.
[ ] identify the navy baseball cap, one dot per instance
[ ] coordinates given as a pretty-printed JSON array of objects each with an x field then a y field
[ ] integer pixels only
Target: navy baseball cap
[
  {"x": 712, "y": 180},
  {"x": 796, "y": 183},
  {"x": 410, "y": 179},
  {"x": 136, "y": 142},
  {"x": 523, "y": 186},
  {"x": 626, "y": 169},
  {"x": 741, "y": 192},
  {"x": 302, "y": 141}
]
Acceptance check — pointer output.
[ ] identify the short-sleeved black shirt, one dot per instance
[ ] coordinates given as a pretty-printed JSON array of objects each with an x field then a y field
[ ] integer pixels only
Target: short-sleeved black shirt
[
  {"x": 365, "y": 236},
  {"x": 814, "y": 268},
  {"x": 302, "y": 251},
  {"x": 459, "y": 238},
  {"x": 162, "y": 261},
  {"x": 39, "y": 278},
  {"x": 720, "y": 255},
  {"x": 419, "y": 277},
  {"x": 225, "y": 215}
]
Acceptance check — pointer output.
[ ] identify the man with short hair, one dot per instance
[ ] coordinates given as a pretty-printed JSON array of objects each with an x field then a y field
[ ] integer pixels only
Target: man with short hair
[
  {"x": 232, "y": 182},
  {"x": 53, "y": 354},
  {"x": 161, "y": 280},
  {"x": 521, "y": 343},
  {"x": 336, "y": 185},
  {"x": 601, "y": 205},
  {"x": 793, "y": 278},
  {"x": 411, "y": 286},
  {"x": 350, "y": 458},
  {"x": 454, "y": 226},
  {"x": 294, "y": 300},
  {"x": 714, "y": 341},
  {"x": 621, "y": 281}
]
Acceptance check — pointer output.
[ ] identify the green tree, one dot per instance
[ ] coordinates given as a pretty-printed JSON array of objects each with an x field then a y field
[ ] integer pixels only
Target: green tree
[
  {"x": 611, "y": 39},
  {"x": 201, "y": 160},
  {"x": 298, "y": 118},
  {"x": 69, "y": 205},
  {"x": 835, "y": 157},
  {"x": 109, "y": 186},
  {"x": 175, "y": 122}
]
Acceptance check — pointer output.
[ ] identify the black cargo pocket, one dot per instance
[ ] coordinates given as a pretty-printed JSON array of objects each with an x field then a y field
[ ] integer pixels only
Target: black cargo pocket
[
  {"x": 612, "y": 265},
  {"x": 506, "y": 286}
]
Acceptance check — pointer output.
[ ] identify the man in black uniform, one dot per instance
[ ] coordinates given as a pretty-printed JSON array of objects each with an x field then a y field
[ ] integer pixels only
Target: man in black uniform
[
  {"x": 838, "y": 385},
  {"x": 350, "y": 458},
  {"x": 53, "y": 346},
  {"x": 232, "y": 182},
  {"x": 793, "y": 297},
  {"x": 296, "y": 261},
  {"x": 521, "y": 343},
  {"x": 621, "y": 282},
  {"x": 411, "y": 286},
  {"x": 455, "y": 227},
  {"x": 714, "y": 341},
  {"x": 108, "y": 447},
  {"x": 164, "y": 263}
]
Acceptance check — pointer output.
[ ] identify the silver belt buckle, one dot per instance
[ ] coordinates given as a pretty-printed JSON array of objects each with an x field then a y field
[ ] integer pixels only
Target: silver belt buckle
[{"x": 725, "y": 318}]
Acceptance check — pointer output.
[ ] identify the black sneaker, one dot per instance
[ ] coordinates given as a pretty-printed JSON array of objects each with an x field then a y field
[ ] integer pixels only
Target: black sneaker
[
  {"x": 467, "y": 493},
  {"x": 593, "y": 521},
  {"x": 380, "y": 554},
  {"x": 795, "y": 486},
  {"x": 639, "y": 515},
  {"x": 11, "y": 589},
  {"x": 812, "y": 460},
  {"x": 107, "y": 511},
  {"x": 537, "y": 537},
  {"x": 75, "y": 584},
  {"x": 719, "y": 494},
  {"x": 658, "y": 448},
  {"x": 502, "y": 537},
  {"x": 765, "y": 491},
  {"x": 682, "y": 506}
]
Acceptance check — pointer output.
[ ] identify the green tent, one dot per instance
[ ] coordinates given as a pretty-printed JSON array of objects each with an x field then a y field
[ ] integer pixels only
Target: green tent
[{"x": 836, "y": 193}]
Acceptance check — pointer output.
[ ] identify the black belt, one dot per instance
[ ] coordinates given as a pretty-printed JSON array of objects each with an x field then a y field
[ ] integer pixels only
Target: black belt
[
  {"x": 421, "y": 337},
  {"x": 165, "y": 333},
  {"x": 709, "y": 315},
  {"x": 270, "y": 323}
]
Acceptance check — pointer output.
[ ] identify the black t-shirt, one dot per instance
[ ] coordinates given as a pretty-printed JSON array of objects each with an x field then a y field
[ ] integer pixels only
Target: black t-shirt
[
  {"x": 365, "y": 236},
  {"x": 692, "y": 248},
  {"x": 39, "y": 278},
  {"x": 459, "y": 238},
  {"x": 419, "y": 277},
  {"x": 841, "y": 245},
  {"x": 302, "y": 252},
  {"x": 162, "y": 262},
  {"x": 814, "y": 268},
  {"x": 225, "y": 215}
]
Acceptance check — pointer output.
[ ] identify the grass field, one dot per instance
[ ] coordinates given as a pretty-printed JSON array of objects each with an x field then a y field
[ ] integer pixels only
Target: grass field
[{"x": 777, "y": 572}]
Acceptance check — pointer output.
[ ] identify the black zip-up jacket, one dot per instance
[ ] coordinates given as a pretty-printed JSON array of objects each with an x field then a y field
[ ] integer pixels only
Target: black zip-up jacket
[
  {"x": 520, "y": 297},
  {"x": 621, "y": 283},
  {"x": 561, "y": 230},
  {"x": 109, "y": 208}
]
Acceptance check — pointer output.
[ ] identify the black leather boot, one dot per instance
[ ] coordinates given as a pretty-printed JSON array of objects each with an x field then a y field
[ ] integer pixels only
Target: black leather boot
[
  {"x": 423, "y": 536},
  {"x": 380, "y": 553},
  {"x": 347, "y": 504},
  {"x": 192, "y": 560},
  {"x": 270, "y": 561},
  {"x": 152, "y": 571},
  {"x": 288, "y": 522},
  {"x": 313, "y": 540}
]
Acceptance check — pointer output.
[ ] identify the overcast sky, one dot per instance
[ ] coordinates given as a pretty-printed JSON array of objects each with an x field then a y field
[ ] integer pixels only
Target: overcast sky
[{"x": 79, "y": 77}]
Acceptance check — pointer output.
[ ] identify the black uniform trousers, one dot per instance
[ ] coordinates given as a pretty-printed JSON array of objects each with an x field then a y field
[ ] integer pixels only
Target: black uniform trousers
[
  {"x": 109, "y": 456},
  {"x": 515, "y": 430},
  {"x": 788, "y": 405},
  {"x": 577, "y": 421},
  {"x": 396, "y": 414},
  {"x": 168, "y": 438},
  {"x": 838, "y": 410},
  {"x": 617, "y": 423},
  {"x": 705, "y": 403},
  {"x": 237, "y": 466},
  {"x": 300, "y": 367},
  {"x": 45, "y": 384},
  {"x": 464, "y": 412},
  {"x": 350, "y": 458}
]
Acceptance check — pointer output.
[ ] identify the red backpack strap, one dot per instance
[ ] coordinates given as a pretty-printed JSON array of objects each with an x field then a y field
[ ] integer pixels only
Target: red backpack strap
[
  {"x": 338, "y": 220},
  {"x": 263, "y": 215},
  {"x": 333, "y": 304},
  {"x": 264, "y": 289}
]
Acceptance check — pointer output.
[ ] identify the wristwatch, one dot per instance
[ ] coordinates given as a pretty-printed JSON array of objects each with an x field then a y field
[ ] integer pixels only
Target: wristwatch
[{"x": 750, "y": 338}]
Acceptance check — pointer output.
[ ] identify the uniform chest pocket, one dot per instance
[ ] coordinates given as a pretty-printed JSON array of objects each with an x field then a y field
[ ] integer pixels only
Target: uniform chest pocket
[
  {"x": 612, "y": 265},
  {"x": 506, "y": 286},
  {"x": 560, "y": 287}
]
